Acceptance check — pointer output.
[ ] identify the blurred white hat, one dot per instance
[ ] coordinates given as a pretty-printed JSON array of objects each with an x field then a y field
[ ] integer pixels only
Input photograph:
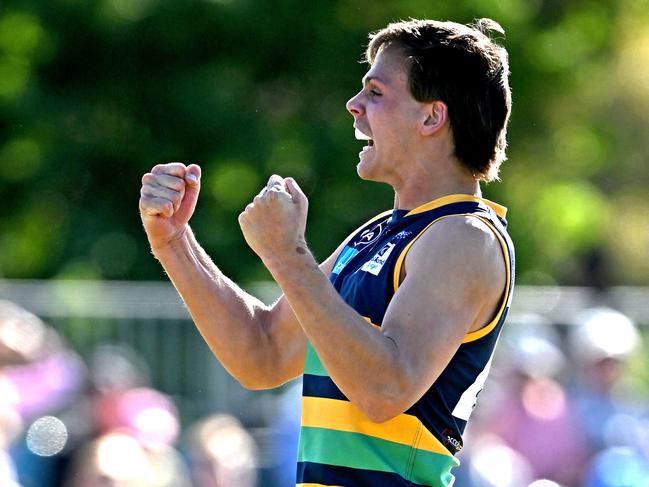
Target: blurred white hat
[
  {"x": 603, "y": 333},
  {"x": 533, "y": 347}
]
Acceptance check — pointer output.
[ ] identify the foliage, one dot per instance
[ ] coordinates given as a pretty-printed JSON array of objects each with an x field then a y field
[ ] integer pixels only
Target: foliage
[{"x": 95, "y": 92}]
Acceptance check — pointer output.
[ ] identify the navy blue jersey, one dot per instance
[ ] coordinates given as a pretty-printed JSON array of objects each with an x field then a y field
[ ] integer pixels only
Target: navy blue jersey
[{"x": 339, "y": 445}]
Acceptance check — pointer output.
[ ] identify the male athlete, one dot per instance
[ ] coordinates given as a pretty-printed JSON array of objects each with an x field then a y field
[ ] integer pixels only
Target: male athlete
[{"x": 395, "y": 331}]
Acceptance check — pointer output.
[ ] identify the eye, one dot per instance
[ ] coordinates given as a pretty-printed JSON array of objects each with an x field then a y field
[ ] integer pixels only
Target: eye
[{"x": 375, "y": 93}]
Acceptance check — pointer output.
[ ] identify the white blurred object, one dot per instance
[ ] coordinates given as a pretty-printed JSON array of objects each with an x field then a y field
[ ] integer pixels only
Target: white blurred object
[
  {"x": 603, "y": 333},
  {"x": 121, "y": 457},
  {"x": 223, "y": 453},
  {"x": 21, "y": 332},
  {"x": 538, "y": 357},
  {"x": 7, "y": 472},
  {"x": 544, "y": 483},
  {"x": 494, "y": 464},
  {"x": 534, "y": 347}
]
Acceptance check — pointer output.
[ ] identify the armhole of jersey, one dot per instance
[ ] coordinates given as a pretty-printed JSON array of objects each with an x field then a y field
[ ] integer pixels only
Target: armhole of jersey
[
  {"x": 402, "y": 256},
  {"x": 474, "y": 335},
  {"x": 485, "y": 330},
  {"x": 369, "y": 320}
]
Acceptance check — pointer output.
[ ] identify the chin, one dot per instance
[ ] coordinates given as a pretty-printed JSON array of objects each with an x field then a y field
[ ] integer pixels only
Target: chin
[
  {"x": 369, "y": 169},
  {"x": 363, "y": 171},
  {"x": 365, "y": 167}
]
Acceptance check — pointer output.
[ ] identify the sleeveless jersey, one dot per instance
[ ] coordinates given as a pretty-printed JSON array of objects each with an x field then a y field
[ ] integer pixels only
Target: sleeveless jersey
[{"x": 339, "y": 445}]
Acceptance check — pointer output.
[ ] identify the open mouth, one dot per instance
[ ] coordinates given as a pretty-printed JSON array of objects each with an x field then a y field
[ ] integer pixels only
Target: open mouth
[{"x": 363, "y": 136}]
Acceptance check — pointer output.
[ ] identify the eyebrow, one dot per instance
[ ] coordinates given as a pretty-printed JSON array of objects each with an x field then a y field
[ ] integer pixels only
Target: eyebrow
[{"x": 367, "y": 79}]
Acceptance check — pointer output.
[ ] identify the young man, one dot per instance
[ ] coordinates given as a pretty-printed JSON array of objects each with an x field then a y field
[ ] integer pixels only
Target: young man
[{"x": 395, "y": 331}]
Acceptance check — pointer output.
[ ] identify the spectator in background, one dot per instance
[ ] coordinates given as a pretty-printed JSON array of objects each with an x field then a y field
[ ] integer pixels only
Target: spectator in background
[
  {"x": 601, "y": 343},
  {"x": 43, "y": 372},
  {"x": 8, "y": 477},
  {"x": 132, "y": 427},
  {"x": 11, "y": 425},
  {"x": 527, "y": 431},
  {"x": 118, "y": 459},
  {"x": 222, "y": 453},
  {"x": 39, "y": 377},
  {"x": 612, "y": 418}
]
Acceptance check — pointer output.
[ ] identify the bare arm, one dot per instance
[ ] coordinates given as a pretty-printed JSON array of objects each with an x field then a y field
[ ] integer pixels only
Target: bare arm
[
  {"x": 449, "y": 290},
  {"x": 261, "y": 346}
]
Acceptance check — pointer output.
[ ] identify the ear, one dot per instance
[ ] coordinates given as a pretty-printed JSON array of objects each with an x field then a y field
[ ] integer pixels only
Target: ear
[{"x": 436, "y": 116}]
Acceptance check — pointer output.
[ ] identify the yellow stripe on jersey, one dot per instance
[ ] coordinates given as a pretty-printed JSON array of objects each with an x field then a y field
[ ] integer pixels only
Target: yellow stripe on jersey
[
  {"x": 370, "y": 322},
  {"x": 485, "y": 330},
  {"x": 334, "y": 414},
  {"x": 402, "y": 256},
  {"x": 500, "y": 210}
]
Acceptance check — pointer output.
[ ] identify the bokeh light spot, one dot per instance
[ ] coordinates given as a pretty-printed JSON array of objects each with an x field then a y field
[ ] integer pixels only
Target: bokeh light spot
[
  {"x": 47, "y": 436},
  {"x": 21, "y": 158},
  {"x": 234, "y": 184},
  {"x": 20, "y": 33}
]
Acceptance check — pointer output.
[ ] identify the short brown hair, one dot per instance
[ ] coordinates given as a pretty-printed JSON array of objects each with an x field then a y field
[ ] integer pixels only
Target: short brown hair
[{"x": 463, "y": 67}]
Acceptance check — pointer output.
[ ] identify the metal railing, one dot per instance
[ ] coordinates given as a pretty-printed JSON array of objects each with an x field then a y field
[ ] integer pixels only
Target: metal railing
[{"x": 151, "y": 318}]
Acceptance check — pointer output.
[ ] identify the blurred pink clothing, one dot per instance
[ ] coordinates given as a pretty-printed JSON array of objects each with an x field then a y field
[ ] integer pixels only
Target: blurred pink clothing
[
  {"x": 46, "y": 385},
  {"x": 538, "y": 422}
]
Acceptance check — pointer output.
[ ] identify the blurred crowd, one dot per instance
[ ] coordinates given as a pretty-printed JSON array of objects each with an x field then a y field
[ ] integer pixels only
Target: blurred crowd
[
  {"x": 560, "y": 409},
  {"x": 65, "y": 421}
]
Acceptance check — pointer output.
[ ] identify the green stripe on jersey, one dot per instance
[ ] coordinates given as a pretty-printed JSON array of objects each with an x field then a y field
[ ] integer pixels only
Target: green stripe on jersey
[
  {"x": 354, "y": 450},
  {"x": 312, "y": 364}
]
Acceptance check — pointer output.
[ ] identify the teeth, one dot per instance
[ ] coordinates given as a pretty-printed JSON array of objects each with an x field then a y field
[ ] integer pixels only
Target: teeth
[{"x": 360, "y": 135}]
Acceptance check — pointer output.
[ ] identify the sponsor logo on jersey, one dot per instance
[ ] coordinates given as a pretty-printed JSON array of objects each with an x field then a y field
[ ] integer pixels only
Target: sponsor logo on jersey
[
  {"x": 402, "y": 235},
  {"x": 375, "y": 264},
  {"x": 452, "y": 440},
  {"x": 346, "y": 255}
]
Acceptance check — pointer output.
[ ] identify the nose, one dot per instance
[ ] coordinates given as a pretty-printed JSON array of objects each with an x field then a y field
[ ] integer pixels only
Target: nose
[{"x": 354, "y": 105}]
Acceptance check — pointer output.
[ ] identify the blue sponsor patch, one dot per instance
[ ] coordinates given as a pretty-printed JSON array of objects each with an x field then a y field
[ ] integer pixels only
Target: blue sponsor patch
[{"x": 346, "y": 255}]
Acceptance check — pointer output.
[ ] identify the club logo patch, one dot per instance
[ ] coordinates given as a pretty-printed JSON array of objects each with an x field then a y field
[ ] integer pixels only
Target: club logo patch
[
  {"x": 369, "y": 236},
  {"x": 375, "y": 264}
]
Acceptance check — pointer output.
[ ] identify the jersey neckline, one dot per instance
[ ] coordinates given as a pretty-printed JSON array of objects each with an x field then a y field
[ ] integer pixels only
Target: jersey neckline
[{"x": 500, "y": 210}]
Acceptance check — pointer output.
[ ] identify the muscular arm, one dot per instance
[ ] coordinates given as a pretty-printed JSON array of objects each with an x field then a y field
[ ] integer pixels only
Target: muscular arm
[{"x": 261, "y": 346}]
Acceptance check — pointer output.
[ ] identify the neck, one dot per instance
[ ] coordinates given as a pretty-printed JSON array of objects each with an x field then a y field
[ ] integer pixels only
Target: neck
[
  {"x": 427, "y": 178},
  {"x": 416, "y": 192}
]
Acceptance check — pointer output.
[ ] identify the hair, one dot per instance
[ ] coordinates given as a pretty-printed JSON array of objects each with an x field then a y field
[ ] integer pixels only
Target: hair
[{"x": 463, "y": 67}]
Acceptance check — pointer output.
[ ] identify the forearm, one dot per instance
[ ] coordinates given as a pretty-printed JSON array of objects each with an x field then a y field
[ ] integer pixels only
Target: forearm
[
  {"x": 362, "y": 361},
  {"x": 231, "y": 321}
]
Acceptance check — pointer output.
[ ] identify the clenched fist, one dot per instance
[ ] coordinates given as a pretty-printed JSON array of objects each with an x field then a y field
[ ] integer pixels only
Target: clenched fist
[
  {"x": 167, "y": 201},
  {"x": 274, "y": 223}
]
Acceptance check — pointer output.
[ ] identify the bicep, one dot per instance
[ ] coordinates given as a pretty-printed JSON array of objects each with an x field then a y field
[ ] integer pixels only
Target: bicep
[{"x": 446, "y": 291}]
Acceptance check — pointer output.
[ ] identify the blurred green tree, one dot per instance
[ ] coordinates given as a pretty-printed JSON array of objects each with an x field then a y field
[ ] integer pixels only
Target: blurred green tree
[{"x": 95, "y": 92}]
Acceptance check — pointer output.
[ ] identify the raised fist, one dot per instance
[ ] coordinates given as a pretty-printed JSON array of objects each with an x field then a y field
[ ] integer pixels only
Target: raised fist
[
  {"x": 167, "y": 201},
  {"x": 274, "y": 222}
]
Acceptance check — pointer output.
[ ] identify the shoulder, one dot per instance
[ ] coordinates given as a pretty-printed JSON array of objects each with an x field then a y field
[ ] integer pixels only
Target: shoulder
[{"x": 457, "y": 243}]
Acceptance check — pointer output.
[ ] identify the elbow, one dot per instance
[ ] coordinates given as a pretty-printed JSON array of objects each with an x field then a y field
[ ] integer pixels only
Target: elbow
[
  {"x": 252, "y": 385},
  {"x": 384, "y": 407},
  {"x": 382, "y": 411},
  {"x": 262, "y": 382},
  {"x": 380, "y": 415},
  {"x": 388, "y": 401},
  {"x": 257, "y": 383}
]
